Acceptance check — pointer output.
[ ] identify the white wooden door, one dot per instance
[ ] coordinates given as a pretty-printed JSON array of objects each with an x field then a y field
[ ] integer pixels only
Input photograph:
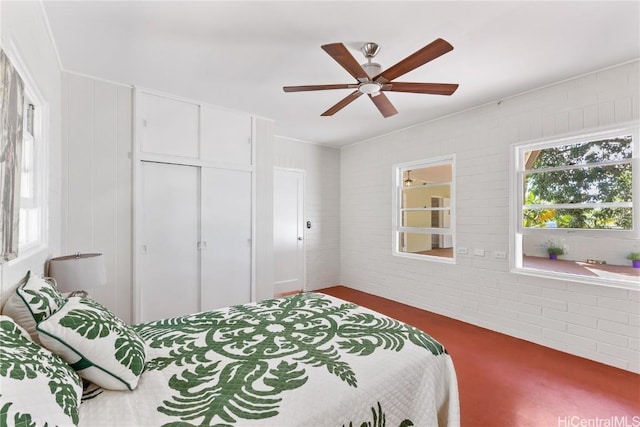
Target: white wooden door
[
  {"x": 288, "y": 230},
  {"x": 226, "y": 238},
  {"x": 168, "y": 249}
]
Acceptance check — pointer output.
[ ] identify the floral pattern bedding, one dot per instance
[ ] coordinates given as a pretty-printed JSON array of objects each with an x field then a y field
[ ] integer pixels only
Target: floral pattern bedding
[{"x": 305, "y": 360}]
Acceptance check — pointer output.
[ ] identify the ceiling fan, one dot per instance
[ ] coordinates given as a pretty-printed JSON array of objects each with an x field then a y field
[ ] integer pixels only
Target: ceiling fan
[{"x": 372, "y": 81}]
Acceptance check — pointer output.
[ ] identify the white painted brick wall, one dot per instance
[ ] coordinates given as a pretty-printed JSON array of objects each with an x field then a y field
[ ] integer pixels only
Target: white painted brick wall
[{"x": 596, "y": 322}]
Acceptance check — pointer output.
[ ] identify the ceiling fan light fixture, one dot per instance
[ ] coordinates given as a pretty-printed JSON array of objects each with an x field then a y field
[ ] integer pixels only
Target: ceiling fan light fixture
[{"x": 369, "y": 88}]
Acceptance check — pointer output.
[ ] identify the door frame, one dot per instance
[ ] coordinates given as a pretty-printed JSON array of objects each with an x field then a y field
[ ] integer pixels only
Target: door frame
[{"x": 301, "y": 195}]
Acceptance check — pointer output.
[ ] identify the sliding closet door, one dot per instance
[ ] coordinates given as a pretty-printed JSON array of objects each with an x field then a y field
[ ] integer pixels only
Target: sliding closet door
[
  {"x": 169, "y": 260},
  {"x": 226, "y": 236}
]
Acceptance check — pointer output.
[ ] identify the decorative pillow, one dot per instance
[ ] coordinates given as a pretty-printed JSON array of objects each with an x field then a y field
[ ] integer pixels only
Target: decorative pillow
[
  {"x": 96, "y": 343},
  {"x": 36, "y": 386},
  {"x": 33, "y": 302}
]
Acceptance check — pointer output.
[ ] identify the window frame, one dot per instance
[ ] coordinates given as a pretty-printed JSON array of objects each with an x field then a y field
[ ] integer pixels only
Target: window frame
[
  {"x": 40, "y": 162},
  {"x": 397, "y": 210},
  {"x": 517, "y": 229}
]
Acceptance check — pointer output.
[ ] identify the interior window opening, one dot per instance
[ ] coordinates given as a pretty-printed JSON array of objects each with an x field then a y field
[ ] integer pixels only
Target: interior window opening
[{"x": 425, "y": 210}]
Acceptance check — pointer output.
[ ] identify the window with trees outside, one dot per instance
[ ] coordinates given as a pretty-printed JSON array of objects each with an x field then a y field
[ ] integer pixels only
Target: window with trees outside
[
  {"x": 576, "y": 210},
  {"x": 424, "y": 209}
]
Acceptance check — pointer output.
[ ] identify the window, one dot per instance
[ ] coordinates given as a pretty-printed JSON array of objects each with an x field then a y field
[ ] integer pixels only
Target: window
[
  {"x": 32, "y": 222},
  {"x": 424, "y": 209},
  {"x": 30, "y": 211},
  {"x": 572, "y": 191}
]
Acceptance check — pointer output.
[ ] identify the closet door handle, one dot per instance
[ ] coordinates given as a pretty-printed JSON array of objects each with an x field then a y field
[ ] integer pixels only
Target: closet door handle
[{"x": 299, "y": 238}]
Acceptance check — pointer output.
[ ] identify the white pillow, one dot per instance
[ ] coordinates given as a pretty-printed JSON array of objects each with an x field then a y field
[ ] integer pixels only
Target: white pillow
[
  {"x": 36, "y": 386},
  {"x": 33, "y": 302},
  {"x": 97, "y": 344}
]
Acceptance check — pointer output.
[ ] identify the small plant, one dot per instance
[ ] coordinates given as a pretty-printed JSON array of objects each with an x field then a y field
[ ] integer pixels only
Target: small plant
[
  {"x": 634, "y": 256},
  {"x": 554, "y": 249}
]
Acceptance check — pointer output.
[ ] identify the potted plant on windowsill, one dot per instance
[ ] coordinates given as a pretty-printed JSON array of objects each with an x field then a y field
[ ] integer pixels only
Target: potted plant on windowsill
[
  {"x": 635, "y": 259},
  {"x": 554, "y": 249}
]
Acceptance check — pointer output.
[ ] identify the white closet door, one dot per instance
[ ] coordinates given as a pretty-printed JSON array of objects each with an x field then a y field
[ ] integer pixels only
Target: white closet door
[
  {"x": 169, "y": 260},
  {"x": 167, "y": 126},
  {"x": 226, "y": 136},
  {"x": 226, "y": 236}
]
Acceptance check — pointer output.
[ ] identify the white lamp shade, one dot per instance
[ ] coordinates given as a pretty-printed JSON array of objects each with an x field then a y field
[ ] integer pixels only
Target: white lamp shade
[{"x": 80, "y": 271}]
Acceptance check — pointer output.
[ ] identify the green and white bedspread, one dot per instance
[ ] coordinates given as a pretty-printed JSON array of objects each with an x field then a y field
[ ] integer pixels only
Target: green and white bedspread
[{"x": 304, "y": 360}]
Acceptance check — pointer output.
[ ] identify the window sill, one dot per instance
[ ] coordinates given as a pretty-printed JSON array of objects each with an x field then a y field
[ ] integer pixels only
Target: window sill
[
  {"x": 618, "y": 276},
  {"x": 426, "y": 257}
]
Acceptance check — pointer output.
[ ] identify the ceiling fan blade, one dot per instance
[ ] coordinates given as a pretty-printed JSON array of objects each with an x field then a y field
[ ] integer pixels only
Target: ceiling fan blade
[
  {"x": 320, "y": 87},
  {"x": 343, "y": 103},
  {"x": 429, "y": 88},
  {"x": 428, "y": 53},
  {"x": 384, "y": 105},
  {"x": 341, "y": 55}
]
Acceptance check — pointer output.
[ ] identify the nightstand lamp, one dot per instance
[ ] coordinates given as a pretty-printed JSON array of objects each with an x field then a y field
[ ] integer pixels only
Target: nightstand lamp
[{"x": 79, "y": 271}]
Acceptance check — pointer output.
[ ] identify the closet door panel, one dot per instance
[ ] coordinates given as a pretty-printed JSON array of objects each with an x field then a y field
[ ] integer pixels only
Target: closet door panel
[
  {"x": 226, "y": 136},
  {"x": 167, "y": 126},
  {"x": 169, "y": 259},
  {"x": 226, "y": 229}
]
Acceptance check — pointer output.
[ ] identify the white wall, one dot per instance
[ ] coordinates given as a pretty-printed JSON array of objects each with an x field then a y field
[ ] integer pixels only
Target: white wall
[
  {"x": 96, "y": 182},
  {"x": 321, "y": 206},
  {"x": 23, "y": 30},
  {"x": 596, "y": 322}
]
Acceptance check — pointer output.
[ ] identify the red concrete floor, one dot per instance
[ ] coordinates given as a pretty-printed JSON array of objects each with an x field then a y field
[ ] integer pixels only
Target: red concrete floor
[{"x": 508, "y": 382}]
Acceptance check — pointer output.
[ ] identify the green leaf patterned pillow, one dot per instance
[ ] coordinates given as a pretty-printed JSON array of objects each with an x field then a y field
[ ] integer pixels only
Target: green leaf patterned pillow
[
  {"x": 97, "y": 344},
  {"x": 36, "y": 387},
  {"x": 33, "y": 301}
]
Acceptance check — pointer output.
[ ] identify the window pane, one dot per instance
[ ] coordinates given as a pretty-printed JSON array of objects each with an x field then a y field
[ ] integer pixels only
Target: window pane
[
  {"x": 429, "y": 175},
  {"x": 30, "y": 222},
  {"x": 427, "y": 218},
  {"x": 426, "y": 196},
  {"x": 28, "y": 227},
  {"x": 440, "y": 245},
  {"x": 26, "y": 177},
  {"x": 605, "y": 150},
  {"x": 590, "y": 219},
  {"x": 595, "y": 184}
]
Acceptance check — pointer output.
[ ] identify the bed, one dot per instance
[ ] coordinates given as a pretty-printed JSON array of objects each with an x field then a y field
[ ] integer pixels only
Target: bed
[{"x": 305, "y": 360}]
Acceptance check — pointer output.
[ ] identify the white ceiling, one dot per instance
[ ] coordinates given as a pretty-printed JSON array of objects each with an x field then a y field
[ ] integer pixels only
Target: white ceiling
[{"x": 239, "y": 54}]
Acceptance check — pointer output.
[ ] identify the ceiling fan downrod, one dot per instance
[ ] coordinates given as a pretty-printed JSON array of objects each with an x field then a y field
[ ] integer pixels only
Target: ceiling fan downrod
[
  {"x": 372, "y": 69},
  {"x": 370, "y": 50}
]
